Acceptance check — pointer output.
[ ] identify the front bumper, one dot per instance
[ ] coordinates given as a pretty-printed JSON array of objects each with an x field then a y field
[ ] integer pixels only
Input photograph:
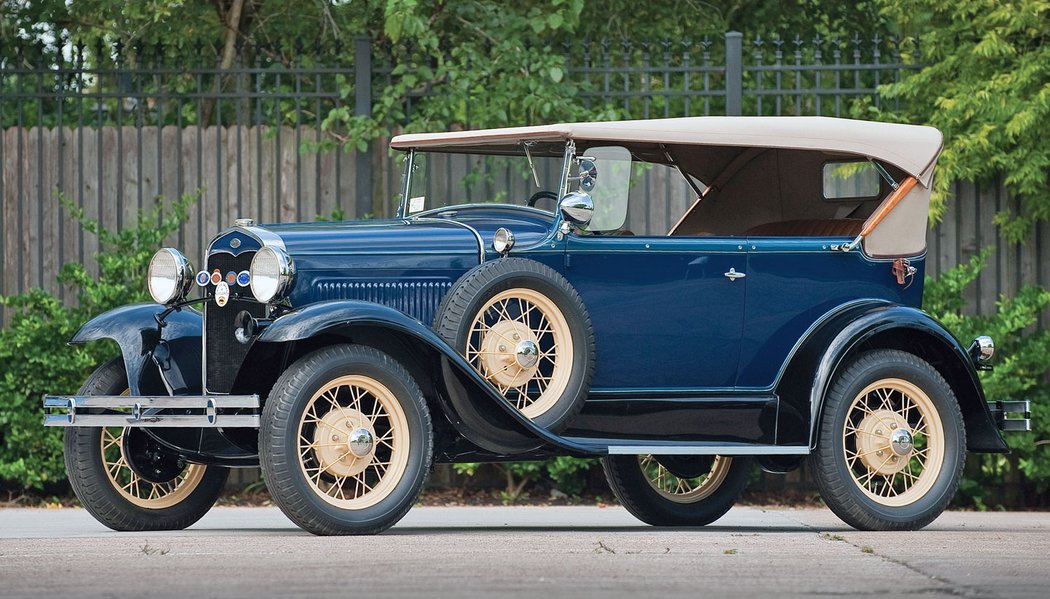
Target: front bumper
[
  {"x": 1012, "y": 416},
  {"x": 186, "y": 411}
]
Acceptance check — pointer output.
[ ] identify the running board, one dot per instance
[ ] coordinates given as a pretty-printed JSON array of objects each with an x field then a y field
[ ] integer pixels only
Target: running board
[
  {"x": 122, "y": 410},
  {"x": 657, "y": 447}
]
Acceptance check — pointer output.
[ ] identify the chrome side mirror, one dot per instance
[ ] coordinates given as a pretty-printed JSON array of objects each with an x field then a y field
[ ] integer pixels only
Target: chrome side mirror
[{"x": 577, "y": 208}]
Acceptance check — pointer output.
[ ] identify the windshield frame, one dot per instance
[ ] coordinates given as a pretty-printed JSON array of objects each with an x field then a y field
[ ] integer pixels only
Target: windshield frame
[{"x": 568, "y": 155}]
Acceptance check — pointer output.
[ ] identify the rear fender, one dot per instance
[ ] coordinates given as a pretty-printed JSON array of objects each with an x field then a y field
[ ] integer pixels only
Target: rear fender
[
  {"x": 149, "y": 350},
  {"x": 471, "y": 405},
  {"x": 871, "y": 325}
]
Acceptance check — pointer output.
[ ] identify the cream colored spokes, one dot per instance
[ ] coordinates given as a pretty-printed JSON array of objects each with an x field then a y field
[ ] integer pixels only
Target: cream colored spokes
[
  {"x": 684, "y": 490},
  {"x": 138, "y": 490},
  {"x": 520, "y": 342},
  {"x": 353, "y": 442},
  {"x": 893, "y": 442}
]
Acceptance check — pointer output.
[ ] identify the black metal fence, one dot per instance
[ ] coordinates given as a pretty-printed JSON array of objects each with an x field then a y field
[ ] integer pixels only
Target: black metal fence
[{"x": 111, "y": 128}]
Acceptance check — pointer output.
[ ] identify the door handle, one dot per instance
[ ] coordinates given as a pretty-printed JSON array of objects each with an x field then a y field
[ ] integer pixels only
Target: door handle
[{"x": 733, "y": 275}]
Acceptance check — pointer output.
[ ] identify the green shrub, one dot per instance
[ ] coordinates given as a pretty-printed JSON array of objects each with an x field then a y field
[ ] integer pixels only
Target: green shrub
[
  {"x": 35, "y": 357},
  {"x": 564, "y": 473},
  {"x": 1021, "y": 363}
]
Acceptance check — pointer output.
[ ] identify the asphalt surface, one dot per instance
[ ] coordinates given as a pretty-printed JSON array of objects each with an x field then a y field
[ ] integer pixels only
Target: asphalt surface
[{"x": 526, "y": 552}]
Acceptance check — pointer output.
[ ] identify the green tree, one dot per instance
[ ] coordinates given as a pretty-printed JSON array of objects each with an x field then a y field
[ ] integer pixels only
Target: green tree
[{"x": 985, "y": 83}]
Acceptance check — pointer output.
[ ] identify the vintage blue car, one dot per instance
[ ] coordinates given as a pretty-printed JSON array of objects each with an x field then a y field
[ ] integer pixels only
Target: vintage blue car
[{"x": 523, "y": 304}]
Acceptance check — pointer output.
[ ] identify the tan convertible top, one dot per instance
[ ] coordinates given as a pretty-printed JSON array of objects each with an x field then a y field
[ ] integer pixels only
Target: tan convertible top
[{"x": 911, "y": 148}]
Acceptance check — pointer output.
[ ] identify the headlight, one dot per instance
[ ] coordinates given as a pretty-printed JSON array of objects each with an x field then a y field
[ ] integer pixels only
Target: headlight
[
  {"x": 169, "y": 276},
  {"x": 272, "y": 274}
]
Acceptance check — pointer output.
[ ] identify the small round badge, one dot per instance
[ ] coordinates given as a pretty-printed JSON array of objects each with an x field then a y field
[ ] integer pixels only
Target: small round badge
[
  {"x": 244, "y": 278},
  {"x": 202, "y": 278},
  {"x": 216, "y": 277},
  {"x": 231, "y": 278},
  {"x": 222, "y": 294}
]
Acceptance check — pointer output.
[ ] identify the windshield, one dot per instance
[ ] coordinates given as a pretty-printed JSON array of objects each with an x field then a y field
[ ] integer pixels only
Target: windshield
[{"x": 441, "y": 179}]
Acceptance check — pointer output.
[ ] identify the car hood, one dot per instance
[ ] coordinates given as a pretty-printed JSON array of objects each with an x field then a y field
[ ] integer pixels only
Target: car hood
[{"x": 398, "y": 237}]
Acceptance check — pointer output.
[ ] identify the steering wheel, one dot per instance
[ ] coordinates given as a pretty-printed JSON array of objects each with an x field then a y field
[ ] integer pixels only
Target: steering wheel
[{"x": 541, "y": 195}]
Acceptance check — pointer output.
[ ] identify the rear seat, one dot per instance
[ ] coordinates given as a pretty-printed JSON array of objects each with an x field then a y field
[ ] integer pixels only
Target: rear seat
[{"x": 840, "y": 227}]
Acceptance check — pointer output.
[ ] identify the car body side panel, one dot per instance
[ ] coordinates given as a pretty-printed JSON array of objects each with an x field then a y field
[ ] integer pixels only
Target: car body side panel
[
  {"x": 792, "y": 283},
  {"x": 665, "y": 316}
]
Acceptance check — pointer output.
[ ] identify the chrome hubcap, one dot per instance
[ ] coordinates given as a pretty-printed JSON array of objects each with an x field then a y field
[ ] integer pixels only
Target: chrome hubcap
[
  {"x": 527, "y": 354},
  {"x": 361, "y": 442},
  {"x": 901, "y": 442}
]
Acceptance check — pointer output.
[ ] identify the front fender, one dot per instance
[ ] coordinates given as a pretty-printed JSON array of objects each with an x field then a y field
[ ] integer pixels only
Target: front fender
[
  {"x": 474, "y": 408},
  {"x": 881, "y": 325},
  {"x": 136, "y": 331}
]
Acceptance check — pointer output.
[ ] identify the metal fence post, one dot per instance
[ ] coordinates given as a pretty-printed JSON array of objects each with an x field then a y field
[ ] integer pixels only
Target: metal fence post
[
  {"x": 363, "y": 107},
  {"x": 734, "y": 72}
]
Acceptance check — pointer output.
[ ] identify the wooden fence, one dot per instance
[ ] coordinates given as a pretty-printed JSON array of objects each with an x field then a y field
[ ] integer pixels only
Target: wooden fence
[{"x": 261, "y": 172}]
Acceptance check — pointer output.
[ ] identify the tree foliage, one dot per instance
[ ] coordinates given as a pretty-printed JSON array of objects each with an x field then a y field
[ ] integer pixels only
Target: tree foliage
[
  {"x": 1022, "y": 358},
  {"x": 985, "y": 84}
]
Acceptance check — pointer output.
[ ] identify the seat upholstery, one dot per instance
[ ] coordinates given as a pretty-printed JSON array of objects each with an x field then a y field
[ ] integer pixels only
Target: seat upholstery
[{"x": 838, "y": 227}]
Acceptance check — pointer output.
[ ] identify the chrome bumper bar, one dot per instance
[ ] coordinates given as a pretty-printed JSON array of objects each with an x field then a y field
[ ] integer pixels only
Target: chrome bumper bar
[
  {"x": 152, "y": 411},
  {"x": 1012, "y": 416}
]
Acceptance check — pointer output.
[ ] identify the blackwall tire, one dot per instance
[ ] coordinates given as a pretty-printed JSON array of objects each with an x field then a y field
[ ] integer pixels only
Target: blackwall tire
[
  {"x": 345, "y": 442},
  {"x": 112, "y": 492},
  {"x": 707, "y": 489},
  {"x": 524, "y": 328},
  {"x": 892, "y": 443}
]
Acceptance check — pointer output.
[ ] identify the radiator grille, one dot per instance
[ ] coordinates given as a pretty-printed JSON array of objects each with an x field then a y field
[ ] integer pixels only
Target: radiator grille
[
  {"x": 418, "y": 299},
  {"x": 223, "y": 353}
]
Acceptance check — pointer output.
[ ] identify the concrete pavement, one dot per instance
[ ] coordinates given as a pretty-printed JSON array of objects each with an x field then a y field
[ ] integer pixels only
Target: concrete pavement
[{"x": 524, "y": 552}]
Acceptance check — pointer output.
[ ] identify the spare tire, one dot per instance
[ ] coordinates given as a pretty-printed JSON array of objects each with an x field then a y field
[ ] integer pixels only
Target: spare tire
[{"x": 524, "y": 328}]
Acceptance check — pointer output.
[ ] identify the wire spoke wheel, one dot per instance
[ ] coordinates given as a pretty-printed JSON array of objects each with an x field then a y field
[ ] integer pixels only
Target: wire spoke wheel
[
  {"x": 353, "y": 442},
  {"x": 136, "y": 489},
  {"x": 893, "y": 441},
  {"x": 684, "y": 489},
  {"x": 520, "y": 342}
]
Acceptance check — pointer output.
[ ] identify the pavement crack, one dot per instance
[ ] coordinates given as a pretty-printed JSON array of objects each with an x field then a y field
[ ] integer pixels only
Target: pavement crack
[{"x": 951, "y": 587}]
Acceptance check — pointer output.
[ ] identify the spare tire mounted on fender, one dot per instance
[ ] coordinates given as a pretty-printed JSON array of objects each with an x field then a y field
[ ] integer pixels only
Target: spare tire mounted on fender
[{"x": 524, "y": 328}]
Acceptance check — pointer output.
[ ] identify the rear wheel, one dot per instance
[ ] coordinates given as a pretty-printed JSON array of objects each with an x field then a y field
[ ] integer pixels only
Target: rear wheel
[
  {"x": 892, "y": 443},
  {"x": 128, "y": 481},
  {"x": 677, "y": 490},
  {"x": 345, "y": 443}
]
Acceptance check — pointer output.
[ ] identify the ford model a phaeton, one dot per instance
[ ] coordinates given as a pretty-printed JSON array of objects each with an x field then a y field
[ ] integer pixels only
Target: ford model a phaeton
[{"x": 529, "y": 301}]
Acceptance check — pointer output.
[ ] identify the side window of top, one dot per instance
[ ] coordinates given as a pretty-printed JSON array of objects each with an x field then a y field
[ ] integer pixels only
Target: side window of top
[{"x": 659, "y": 196}]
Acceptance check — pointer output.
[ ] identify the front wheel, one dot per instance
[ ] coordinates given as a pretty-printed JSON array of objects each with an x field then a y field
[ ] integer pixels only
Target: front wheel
[
  {"x": 677, "y": 490},
  {"x": 892, "y": 443},
  {"x": 345, "y": 443},
  {"x": 129, "y": 482}
]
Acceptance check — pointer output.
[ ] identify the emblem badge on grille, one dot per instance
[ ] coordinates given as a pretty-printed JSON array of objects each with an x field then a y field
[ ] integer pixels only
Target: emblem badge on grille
[
  {"x": 222, "y": 294},
  {"x": 244, "y": 278},
  {"x": 202, "y": 278},
  {"x": 231, "y": 278},
  {"x": 235, "y": 243},
  {"x": 216, "y": 277}
]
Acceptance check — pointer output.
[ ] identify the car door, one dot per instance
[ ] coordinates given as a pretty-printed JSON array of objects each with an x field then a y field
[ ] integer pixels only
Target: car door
[{"x": 667, "y": 312}]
